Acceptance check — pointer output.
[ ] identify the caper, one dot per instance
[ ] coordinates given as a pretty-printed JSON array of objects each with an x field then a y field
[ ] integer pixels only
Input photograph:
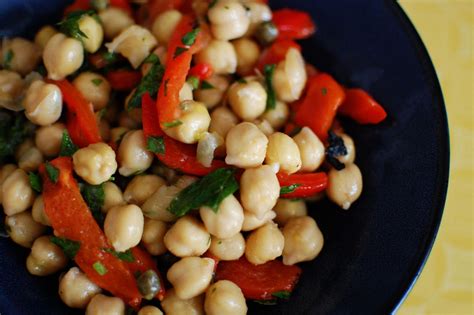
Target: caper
[
  {"x": 99, "y": 4},
  {"x": 266, "y": 33},
  {"x": 148, "y": 284}
]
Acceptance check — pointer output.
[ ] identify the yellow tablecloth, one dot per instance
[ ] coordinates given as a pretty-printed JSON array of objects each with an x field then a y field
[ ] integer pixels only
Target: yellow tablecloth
[{"x": 446, "y": 283}]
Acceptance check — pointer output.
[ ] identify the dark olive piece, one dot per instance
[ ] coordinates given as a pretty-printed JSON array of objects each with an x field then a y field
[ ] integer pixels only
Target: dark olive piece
[
  {"x": 148, "y": 284},
  {"x": 266, "y": 33}
]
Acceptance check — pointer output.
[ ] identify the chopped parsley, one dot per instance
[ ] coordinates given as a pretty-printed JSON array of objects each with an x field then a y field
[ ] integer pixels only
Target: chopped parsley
[
  {"x": 193, "y": 81},
  {"x": 7, "y": 59},
  {"x": 285, "y": 295},
  {"x": 14, "y": 129},
  {"x": 335, "y": 149},
  {"x": 190, "y": 38},
  {"x": 288, "y": 189},
  {"x": 268, "y": 71},
  {"x": 69, "y": 247},
  {"x": 94, "y": 196},
  {"x": 155, "y": 145},
  {"x": 172, "y": 124},
  {"x": 97, "y": 81},
  {"x": 126, "y": 256},
  {"x": 52, "y": 172},
  {"x": 99, "y": 268},
  {"x": 68, "y": 148},
  {"x": 70, "y": 25},
  {"x": 205, "y": 85},
  {"x": 35, "y": 182}
]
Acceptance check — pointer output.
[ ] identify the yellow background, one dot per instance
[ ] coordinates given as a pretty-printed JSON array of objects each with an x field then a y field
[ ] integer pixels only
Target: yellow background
[{"x": 446, "y": 283}]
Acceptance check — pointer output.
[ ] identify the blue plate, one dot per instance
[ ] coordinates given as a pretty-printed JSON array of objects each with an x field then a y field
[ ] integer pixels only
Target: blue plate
[{"x": 374, "y": 252}]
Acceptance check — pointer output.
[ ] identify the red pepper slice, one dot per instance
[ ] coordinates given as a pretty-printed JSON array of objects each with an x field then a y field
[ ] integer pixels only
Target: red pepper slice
[
  {"x": 276, "y": 52},
  {"x": 309, "y": 184},
  {"x": 177, "y": 155},
  {"x": 202, "y": 71},
  {"x": 293, "y": 24},
  {"x": 81, "y": 121},
  {"x": 361, "y": 107},
  {"x": 124, "y": 80},
  {"x": 259, "y": 282},
  {"x": 319, "y": 107}
]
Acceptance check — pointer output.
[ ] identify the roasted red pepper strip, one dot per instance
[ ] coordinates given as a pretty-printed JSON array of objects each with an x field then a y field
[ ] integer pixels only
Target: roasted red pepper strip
[
  {"x": 293, "y": 24},
  {"x": 259, "y": 282},
  {"x": 177, "y": 155},
  {"x": 202, "y": 71},
  {"x": 361, "y": 107},
  {"x": 320, "y": 104},
  {"x": 81, "y": 122},
  {"x": 309, "y": 184},
  {"x": 276, "y": 52},
  {"x": 124, "y": 80},
  {"x": 71, "y": 218}
]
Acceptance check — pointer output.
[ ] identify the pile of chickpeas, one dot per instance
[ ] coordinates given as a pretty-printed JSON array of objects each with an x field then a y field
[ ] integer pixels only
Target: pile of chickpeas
[{"x": 230, "y": 121}]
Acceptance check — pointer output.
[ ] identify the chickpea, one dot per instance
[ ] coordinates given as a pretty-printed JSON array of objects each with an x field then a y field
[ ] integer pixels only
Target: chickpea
[
  {"x": 45, "y": 258},
  {"x": 23, "y": 147},
  {"x": 93, "y": 31},
  {"x": 264, "y": 127},
  {"x": 228, "y": 219},
  {"x": 114, "y": 21},
  {"x": 94, "y": 87},
  {"x": 225, "y": 297},
  {"x": 37, "y": 212},
  {"x": 350, "y": 147},
  {"x": 195, "y": 121},
  {"x": 48, "y": 139},
  {"x": 264, "y": 244},
  {"x": 173, "y": 305},
  {"x": 141, "y": 188},
  {"x": 44, "y": 35},
  {"x": 220, "y": 55},
  {"x": 246, "y": 146},
  {"x": 284, "y": 151},
  {"x": 133, "y": 156},
  {"x": 95, "y": 163},
  {"x": 186, "y": 92},
  {"x": 153, "y": 236},
  {"x": 150, "y": 310},
  {"x": 126, "y": 121},
  {"x": 123, "y": 226},
  {"x": 258, "y": 13},
  {"x": 165, "y": 24},
  {"x": 287, "y": 209},
  {"x": 278, "y": 116},
  {"x": 211, "y": 97},
  {"x": 17, "y": 193},
  {"x": 187, "y": 237},
  {"x": 117, "y": 134},
  {"x": 344, "y": 186},
  {"x": 31, "y": 160},
  {"x": 248, "y": 100},
  {"x": 290, "y": 77},
  {"x": 134, "y": 43},
  {"x": 303, "y": 240},
  {"x": 248, "y": 53},
  {"x": 252, "y": 222},
  {"x": 259, "y": 190},
  {"x": 22, "y": 229},
  {"x": 11, "y": 89},
  {"x": 191, "y": 276},
  {"x": 25, "y": 55},
  {"x": 5, "y": 171},
  {"x": 43, "y": 103},
  {"x": 101, "y": 304},
  {"x": 75, "y": 289},
  {"x": 229, "y": 20},
  {"x": 311, "y": 150},
  {"x": 231, "y": 248},
  {"x": 113, "y": 196},
  {"x": 222, "y": 120},
  {"x": 62, "y": 56}
]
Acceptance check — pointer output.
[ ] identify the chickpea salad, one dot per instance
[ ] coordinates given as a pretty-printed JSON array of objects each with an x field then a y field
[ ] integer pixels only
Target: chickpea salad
[{"x": 158, "y": 155}]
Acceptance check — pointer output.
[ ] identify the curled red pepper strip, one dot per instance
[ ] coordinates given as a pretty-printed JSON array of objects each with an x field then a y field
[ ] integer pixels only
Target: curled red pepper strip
[
  {"x": 308, "y": 184},
  {"x": 202, "y": 71},
  {"x": 293, "y": 24},
  {"x": 276, "y": 52},
  {"x": 362, "y": 108}
]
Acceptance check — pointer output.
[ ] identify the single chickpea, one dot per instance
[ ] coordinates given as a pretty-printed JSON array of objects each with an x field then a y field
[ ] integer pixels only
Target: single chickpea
[
  {"x": 259, "y": 190},
  {"x": 212, "y": 95},
  {"x": 117, "y": 134},
  {"x": 173, "y": 305},
  {"x": 284, "y": 151},
  {"x": 123, "y": 226},
  {"x": 165, "y": 24},
  {"x": 344, "y": 186},
  {"x": 248, "y": 53},
  {"x": 350, "y": 147},
  {"x": 93, "y": 31},
  {"x": 43, "y": 103},
  {"x": 113, "y": 196},
  {"x": 62, "y": 56},
  {"x": 311, "y": 150},
  {"x": 186, "y": 93},
  {"x": 231, "y": 248},
  {"x": 264, "y": 127},
  {"x": 229, "y": 20},
  {"x": 287, "y": 209},
  {"x": 290, "y": 77},
  {"x": 95, "y": 163},
  {"x": 44, "y": 35},
  {"x": 303, "y": 240},
  {"x": 48, "y": 139},
  {"x": 228, "y": 219},
  {"x": 220, "y": 55},
  {"x": 225, "y": 297},
  {"x": 222, "y": 120},
  {"x": 94, "y": 87},
  {"x": 187, "y": 237},
  {"x": 22, "y": 229},
  {"x": 11, "y": 89},
  {"x": 31, "y": 160},
  {"x": 258, "y": 12},
  {"x": 278, "y": 116},
  {"x": 134, "y": 43},
  {"x": 264, "y": 244},
  {"x": 141, "y": 188},
  {"x": 114, "y": 21},
  {"x": 248, "y": 100},
  {"x": 192, "y": 124},
  {"x": 153, "y": 236},
  {"x": 76, "y": 290},
  {"x": 17, "y": 194},
  {"x": 102, "y": 304},
  {"x": 191, "y": 276},
  {"x": 133, "y": 156},
  {"x": 5, "y": 171},
  {"x": 37, "y": 212},
  {"x": 24, "y": 55},
  {"x": 246, "y": 146},
  {"x": 150, "y": 310},
  {"x": 127, "y": 121},
  {"x": 45, "y": 258},
  {"x": 23, "y": 147},
  {"x": 252, "y": 222}
]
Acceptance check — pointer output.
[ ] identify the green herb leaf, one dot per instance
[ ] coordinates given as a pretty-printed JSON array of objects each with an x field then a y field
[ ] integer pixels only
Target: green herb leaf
[
  {"x": 193, "y": 81},
  {"x": 70, "y": 25},
  {"x": 99, "y": 268},
  {"x": 152, "y": 58},
  {"x": 35, "y": 182},
  {"x": 126, "y": 256},
  {"x": 69, "y": 247},
  {"x": 52, "y": 171},
  {"x": 97, "y": 81},
  {"x": 68, "y": 148},
  {"x": 285, "y": 295},
  {"x": 172, "y": 124},
  {"x": 207, "y": 86},
  {"x": 335, "y": 149},
  {"x": 179, "y": 51},
  {"x": 110, "y": 57},
  {"x": 288, "y": 189},
  {"x": 14, "y": 129},
  {"x": 156, "y": 145},
  {"x": 94, "y": 196},
  {"x": 269, "y": 70},
  {"x": 266, "y": 302},
  {"x": 7, "y": 59},
  {"x": 190, "y": 38},
  {"x": 208, "y": 191}
]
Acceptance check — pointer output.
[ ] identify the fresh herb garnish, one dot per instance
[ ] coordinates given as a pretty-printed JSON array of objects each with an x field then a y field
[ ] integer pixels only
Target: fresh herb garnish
[
  {"x": 268, "y": 71},
  {"x": 7, "y": 59},
  {"x": 193, "y": 81},
  {"x": 52, "y": 172},
  {"x": 69, "y": 247},
  {"x": 190, "y": 38},
  {"x": 179, "y": 51},
  {"x": 35, "y": 182},
  {"x": 335, "y": 149},
  {"x": 288, "y": 189},
  {"x": 94, "y": 196},
  {"x": 155, "y": 145},
  {"x": 97, "y": 81},
  {"x": 208, "y": 191},
  {"x": 126, "y": 256},
  {"x": 110, "y": 57},
  {"x": 266, "y": 302},
  {"x": 68, "y": 148},
  {"x": 285, "y": 295},
  {"x": 172, "y": 124},
  {"x": 99, "y": 268},
  {"x": 14, "y": 129},
  {"x": 205, "y": 85},
  {"x": 70, "y": 25}
]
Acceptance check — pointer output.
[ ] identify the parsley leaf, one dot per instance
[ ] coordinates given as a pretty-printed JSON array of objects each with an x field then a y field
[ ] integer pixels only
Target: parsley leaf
[
  {"x": 69, "y": 247},
  {"x": 94, "y": 196},
  {"x": 35, "y": 182},
  {"x": 179, "y": 51},
  {"x": 68, "y": 148},
  {"x": 208, "y": 191},
  {"x": 14, "y": 129},
  {"x": 156, "y": 145},
  {"x": 172, "y": 124},
  {"x": 7, "y": 59},
  {"x": 335, "y": 149},
  {"x": 97, "y": 81},
  {"x": 266, "y": 302},
  {"x": 269, "y": 70},
  {"x": 190, "y": 38},
  {"x": 285, "y": 295},
  {"x": 288, "y": 189},
  {"x": 70, "y": 25},
  {"x": 52, "y": 172},
  {"x": 193, "y": 81},
  {"x": 99, "y": 268},
  {"x": 207, "y": 86},
  {"x": 126, "y": 256}
]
